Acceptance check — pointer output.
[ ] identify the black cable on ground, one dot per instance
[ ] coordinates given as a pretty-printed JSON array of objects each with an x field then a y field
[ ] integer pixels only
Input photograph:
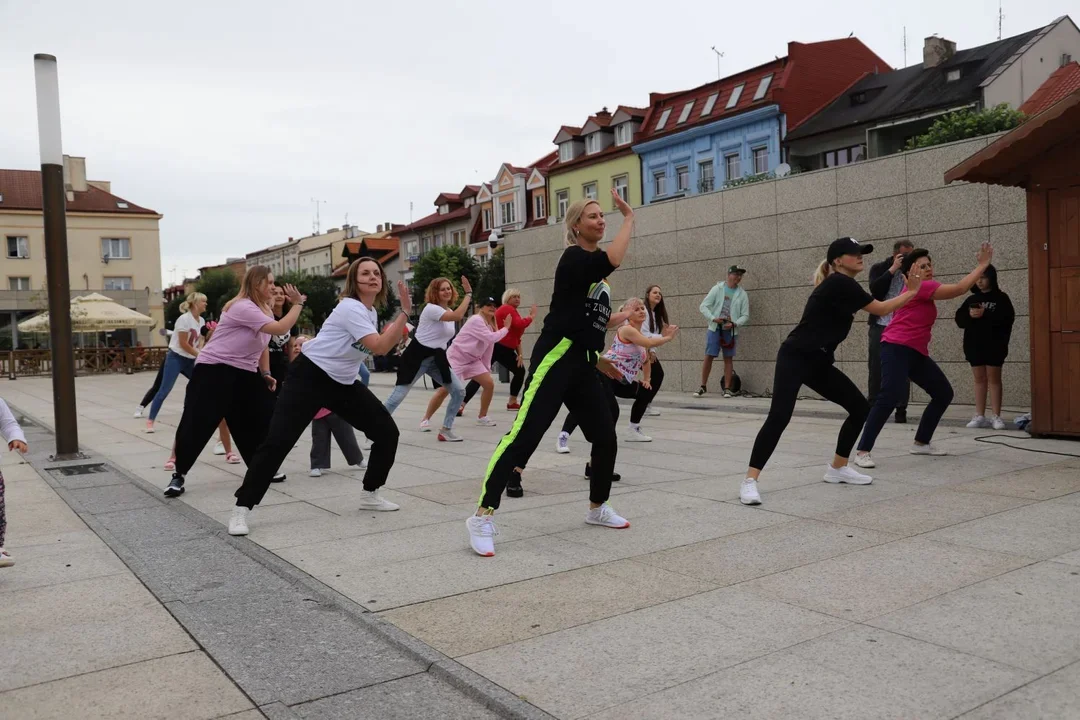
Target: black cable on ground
[{"x": 986, "y": 439}]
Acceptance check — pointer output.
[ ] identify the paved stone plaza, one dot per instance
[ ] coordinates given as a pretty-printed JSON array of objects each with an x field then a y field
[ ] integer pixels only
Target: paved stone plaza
[{"x": 946, "y": 589}]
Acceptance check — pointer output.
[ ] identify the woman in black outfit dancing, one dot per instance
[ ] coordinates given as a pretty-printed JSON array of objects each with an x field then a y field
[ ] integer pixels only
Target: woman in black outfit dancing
[{"x": 806, "y": 358}]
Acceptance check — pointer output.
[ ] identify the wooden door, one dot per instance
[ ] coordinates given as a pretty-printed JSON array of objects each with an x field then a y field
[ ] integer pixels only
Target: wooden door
[{"x": 1064, "y": 251}]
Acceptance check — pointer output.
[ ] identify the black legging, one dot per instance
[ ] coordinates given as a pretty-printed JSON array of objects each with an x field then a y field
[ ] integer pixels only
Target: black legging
[
  {"x": 815, "y": 369},
  {"x": 506, "y": 357},
  {"x": 616, "y": 388},
  {"x": 149, "y": 396}
]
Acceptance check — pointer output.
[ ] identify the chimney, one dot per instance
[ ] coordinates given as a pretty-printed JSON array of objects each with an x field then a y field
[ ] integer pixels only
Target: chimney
[
  {"x": 378, "y": 228},
  {"x": 937, "y": 50},
  {"x": 74, "y": 175},
  {"x": 604, "y": 114},
  {"x": 388, "y": 227}
]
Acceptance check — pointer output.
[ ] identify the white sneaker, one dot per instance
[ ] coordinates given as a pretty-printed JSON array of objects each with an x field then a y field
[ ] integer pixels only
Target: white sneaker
[
  {"x": 448, "y": 435},
  {"x": 485, "y": 422},
  {"x": 996, "y": 422},
  {"x": 928, "y": 449},
  {"x": 315, "y": 472},
  {"x": 636, "y": 435},
  {"x": 238, "y": 522},
  {"x": 425, "y": 426},
  {"x": 605, "y": 515},
  {"x": 139, "y": 412},
  {"x": 562, "y": 445},
  {"x": 727, "y": 394},
  {"x": 864, "y": 461},
  {"x": 481, "y": 531},
  {"x": 5, "y": 558},
  {"x": 978, "y": 422},
  {"x": 748, "y": 493},
  {"x": 219, "y": 449},
  {"x": 362, "y": 465},
  {"x": 370, "y": 500},
  {"x": 846, "y": 474},
  {"x": 652, "y": 412}
]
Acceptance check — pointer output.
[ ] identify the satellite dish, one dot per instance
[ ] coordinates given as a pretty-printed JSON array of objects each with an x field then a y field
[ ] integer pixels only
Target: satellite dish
[{"x": 783, "y": 170}]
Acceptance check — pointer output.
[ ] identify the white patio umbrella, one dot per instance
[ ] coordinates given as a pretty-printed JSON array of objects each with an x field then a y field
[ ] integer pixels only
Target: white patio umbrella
[{"x": 92, "y": 313}]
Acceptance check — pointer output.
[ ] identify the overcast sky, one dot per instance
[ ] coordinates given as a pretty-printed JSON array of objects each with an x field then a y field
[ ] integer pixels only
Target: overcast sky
[{"x": 228, "y": 117}]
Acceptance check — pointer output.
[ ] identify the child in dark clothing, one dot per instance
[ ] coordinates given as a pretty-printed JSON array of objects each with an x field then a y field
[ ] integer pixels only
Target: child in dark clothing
[{"x": 987, "y": 318}]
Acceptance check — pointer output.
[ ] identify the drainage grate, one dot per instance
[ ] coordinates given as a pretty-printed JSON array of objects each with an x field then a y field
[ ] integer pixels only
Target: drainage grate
[{"x": 69, "y": 470}]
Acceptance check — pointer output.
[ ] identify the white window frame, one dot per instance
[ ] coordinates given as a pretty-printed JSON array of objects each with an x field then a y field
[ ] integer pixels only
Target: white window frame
[
  {"x": 709, "y": 104},
  {"x": 539, "y": 206},
  {"x": 621, "y": 185},
  {"x": 735, "y": 95},
  {"x": 953, "y": 75},
  {"x": 566, "y": 151},
  {"x": 589, "y": 191},
  {"x": 763, "y": 87},
  {"x": 682, "y": 173},
  {"x": 22, "y": 247},
  {"x": 659, "y": 183},
  {"x": 729, "y": 175},
  {"x": 486, "y": 215},
  {"x": 702, "y": 175},
  {"x": 592, "y": 143},
  {"x": 437, "y": 240},
  {"x": 125, "y": 280},
  {"x": 15, "y": 283},
  {"x": 624, "y": 133},
  {"x": 687, "y": 109},
  {"x": 504, "y": 214},
  {"x": 663, "y": 119},
  {"x": 562, "y": 202},
  {"x": 119, "y": 244},
  {"x": 458, "y": 237},
  {"x": 760, "y": 152}
]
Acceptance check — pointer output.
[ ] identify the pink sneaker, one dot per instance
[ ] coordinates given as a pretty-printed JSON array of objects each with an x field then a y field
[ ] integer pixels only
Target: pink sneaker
[{"x": 232, "y": 458}]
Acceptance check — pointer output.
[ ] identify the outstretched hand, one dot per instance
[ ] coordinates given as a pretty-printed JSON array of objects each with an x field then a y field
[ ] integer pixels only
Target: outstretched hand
[
  {"x": 294, "y": 295},
  {"x": 669, "y": 331},
  {"x": 466, "y": 285},
  {"x": 403, "y": 295},
  {"x": 532, "y": 311},
  {"x": 986, "y": 255},
  {"x": 508, "y": 321},
  {"x": 608, "y": 368},
  {"x": 913, "y": 281},
  {"x": 621, "y": 204}
]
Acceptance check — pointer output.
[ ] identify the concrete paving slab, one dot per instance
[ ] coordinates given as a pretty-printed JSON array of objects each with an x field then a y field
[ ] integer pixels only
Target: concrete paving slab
[
  {"x": 943, "y": 471},
  {"x": 50, "y": 543},
  {"x": 540, "y": 606},
  {"x": 1052, "y": 696},
  {"x": 159, "y": 689},
  {"x": 1039, "y": 531},
  {"x": 41, "y": 567},
  {"x": 112, "y": 498},
  {"x": 1072, "y": 558},
  {"x": 884, "y": 578},
  {"x": 46, "y": 517},
  {"x": 132, "y": 526},
  {"x": 418, "y": 697},
  {"x": 747, "y": 555},
  {"x": 78, "y": 627},
  {"x": 585, "y": 669},
  {"x": 923, "y": 512},
  {"x": 245, "y": 715},
  {"x": 819, "y": 500},
  {"x": 1033, "y": 613},
  {"x": 867, "y": 674},
  {"x": 1040, "y": 483},
  {"x": 725, "y": 488}
]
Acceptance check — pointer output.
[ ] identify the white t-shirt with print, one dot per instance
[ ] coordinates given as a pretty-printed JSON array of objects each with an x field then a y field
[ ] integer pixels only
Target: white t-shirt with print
[
  {"x": 432, "y": 331},
  {"x": 337, "y": 348},
  {"x": 186, "y": 325}
]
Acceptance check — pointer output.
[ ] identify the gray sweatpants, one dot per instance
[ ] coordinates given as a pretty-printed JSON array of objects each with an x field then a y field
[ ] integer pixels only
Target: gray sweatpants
[{"x": 342, "y": 431}]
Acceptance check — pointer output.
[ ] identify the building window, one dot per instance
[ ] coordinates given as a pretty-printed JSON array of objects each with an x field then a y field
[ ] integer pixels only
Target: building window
[
  {"x": 843, "y": 156},
  {"x": 116, "y": 248},
  {"x": 761, "y": 160},
  {"x": 437, "y": 240},
  {"x": 566, "y": 151},
  {"x": 508, "y": 213},
  {"x": 660, "y": 183},
  {"x": 588, "y": 191},
  {"x": 487, "y": 218},
  {"x": 118, "y": 283},
  {"x": 763, "y": 87},
  {"x": 952, "y": 75},
  {"x": 685, "y": 112},
  {"x": 705, "y": 171},
  {"x": 622, "y": 186},
  {"x": 734, "y": 99},
  {"x": 592, "y": 143},
  {"x": 663, "y": 119},
  {"x": 732, "y": 166},
  {"x": 18, "y": 247},
  {"x": 623, "y": 133},
  {"x": 709, "y": 104},
  {"x": 539, "y": 206},
  {"x": 682, "y": 178},
  {"x": 412, "y": 248},
  {"x": 562, "y": 202},
  {"x": 18, "y": 283},
  {"x": 458, "y": 238}
]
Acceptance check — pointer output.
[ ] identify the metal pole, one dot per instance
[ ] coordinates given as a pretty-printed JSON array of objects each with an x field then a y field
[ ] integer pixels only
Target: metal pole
[{"x": 53, "y": 203}]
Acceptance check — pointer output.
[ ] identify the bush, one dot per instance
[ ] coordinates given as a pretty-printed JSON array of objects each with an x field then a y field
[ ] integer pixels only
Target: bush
[
  {"x": 965, "y": 124},
  {"x": 449, "y": 261}
]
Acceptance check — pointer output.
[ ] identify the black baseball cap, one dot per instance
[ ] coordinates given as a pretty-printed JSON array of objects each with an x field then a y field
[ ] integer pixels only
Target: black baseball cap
[
  {"x": 736, "y": 269},
  {"x": 486, "y": 301},
  {"x": 847, "y": 246}
]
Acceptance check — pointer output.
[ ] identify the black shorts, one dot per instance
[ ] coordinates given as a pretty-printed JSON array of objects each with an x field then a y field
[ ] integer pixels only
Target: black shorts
[{"x": 986, "y": 360}]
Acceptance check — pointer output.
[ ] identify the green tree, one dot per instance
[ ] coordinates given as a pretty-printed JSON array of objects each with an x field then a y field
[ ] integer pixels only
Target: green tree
[
  {"x": 493, "y": 277},
  {"x": 964, "y": 124},
  {"x": 172, "y": 311},
  {"x": 387, "y": 312},
  {"x": 219, "y": 287},
  {"x": 449, "y": 261},
  {"x": 322, "y": 296}
]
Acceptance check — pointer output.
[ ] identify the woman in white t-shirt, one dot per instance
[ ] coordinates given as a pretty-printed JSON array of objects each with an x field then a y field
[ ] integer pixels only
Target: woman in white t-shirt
[
  {"x": 324, "y": 375},
  {"x": 427, "y": 354},
  {"x": 180, "y": 359}
]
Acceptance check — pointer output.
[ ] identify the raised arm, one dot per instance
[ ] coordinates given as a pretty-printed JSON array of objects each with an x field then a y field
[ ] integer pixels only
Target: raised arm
[
  {"x": 954, "y": 290},
  {"x": 632, "y": 335},
  {"x": 617, "y": 319},
  {"x": 285, "y": 324},
  {"x": 884, "y": 307},
  {"x": 881, "y": 281},
  {"x": 382, "y": 343},
  {"x": 466, "y": 301},
  {"x": 616, "y": 251}
]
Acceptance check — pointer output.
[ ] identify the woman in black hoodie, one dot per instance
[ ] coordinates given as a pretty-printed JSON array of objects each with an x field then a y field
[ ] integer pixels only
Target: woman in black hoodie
[{"x": 987, "y": 319}]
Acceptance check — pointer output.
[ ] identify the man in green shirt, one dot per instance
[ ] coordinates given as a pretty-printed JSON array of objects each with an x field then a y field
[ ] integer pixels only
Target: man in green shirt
[{"x": 726, "y": 308}]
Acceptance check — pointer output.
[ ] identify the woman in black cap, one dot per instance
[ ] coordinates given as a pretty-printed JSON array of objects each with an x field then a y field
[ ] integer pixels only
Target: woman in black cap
[{"x": 806, "y": 358}]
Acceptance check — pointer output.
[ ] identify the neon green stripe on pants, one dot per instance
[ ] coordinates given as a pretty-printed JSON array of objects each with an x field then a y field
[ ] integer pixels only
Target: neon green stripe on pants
[{"x": 535, "y": 382}]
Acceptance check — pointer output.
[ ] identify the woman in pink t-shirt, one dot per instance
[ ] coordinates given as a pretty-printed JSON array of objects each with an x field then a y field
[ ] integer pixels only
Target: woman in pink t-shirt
[
  {"x": 905, "y": 353},
  {"x": 232, "y": 379}
]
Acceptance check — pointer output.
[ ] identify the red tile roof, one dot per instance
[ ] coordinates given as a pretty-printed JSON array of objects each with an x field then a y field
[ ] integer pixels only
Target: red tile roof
[
  {"x": 341, "y": 269},
  {"x": 21, "y": 190},
  {"x": 447, "y": 198},
  {"x": 435, "y": 219},
  {"x": 1061, "y": 83},
  {"x": 608, "y": 153},
  {"x": 571, "y": 130},
  {"x": 632, "y": 111}
]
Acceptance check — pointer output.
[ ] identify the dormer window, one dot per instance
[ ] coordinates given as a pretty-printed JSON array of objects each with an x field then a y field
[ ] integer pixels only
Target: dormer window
[
  {"x": 624, "y": 133},
  {"x": 469, "y": 202},
  {"x": 663, "y": 119},
  {"x": 709, "y": 104},
  {"x": 566, "y": 151},
  {"x": 592, "y": 143},
  {"x": 685, "y": 112},
  {"x": 763, "y": 87},
  {"x": 734, "y": 99},
  {"x": 858, "y": 98},
  {"x": 443, "y": 209},
  {"x": 952, "y": 75}
]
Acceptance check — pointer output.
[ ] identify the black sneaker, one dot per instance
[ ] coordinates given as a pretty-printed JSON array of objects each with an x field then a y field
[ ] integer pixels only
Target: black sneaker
[
  {"x": 514, "y": 489},
  {"x": 700, "y": 391},
  {"x": 280, "y": 477},
  {"x": 901, "y": 416},
  {"x": 176, "y": 486},
  {"x": 615, "y": 477}
]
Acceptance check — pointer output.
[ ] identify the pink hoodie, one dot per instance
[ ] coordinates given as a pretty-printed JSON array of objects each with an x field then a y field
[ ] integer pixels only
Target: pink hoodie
[{"x": 470, "y": 353}]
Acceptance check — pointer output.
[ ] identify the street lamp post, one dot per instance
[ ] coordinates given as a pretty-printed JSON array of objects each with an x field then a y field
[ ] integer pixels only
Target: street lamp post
[{"x": 53, "y": 200}]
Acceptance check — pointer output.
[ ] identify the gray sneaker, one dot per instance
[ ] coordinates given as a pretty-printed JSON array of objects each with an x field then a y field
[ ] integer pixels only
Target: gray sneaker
[{"x": 447, "y": 435}]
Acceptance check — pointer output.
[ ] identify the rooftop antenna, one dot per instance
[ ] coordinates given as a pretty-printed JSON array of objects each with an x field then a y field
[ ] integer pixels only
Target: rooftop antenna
[
  {"x": 317, "y": 225},
  {"x": 1001, "y": 17},
  {"x": 718, "y": 56},
  {"x": 410, "y": 212},
  {"x": 905, "y": 46}
]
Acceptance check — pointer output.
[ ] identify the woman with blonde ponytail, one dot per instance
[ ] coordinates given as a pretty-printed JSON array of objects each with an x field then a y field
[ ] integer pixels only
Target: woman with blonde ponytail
[
  {"x": 187, "y": 333},
  {"x": 806, "y": 358},
  {"x": 562, "y": 371}
]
